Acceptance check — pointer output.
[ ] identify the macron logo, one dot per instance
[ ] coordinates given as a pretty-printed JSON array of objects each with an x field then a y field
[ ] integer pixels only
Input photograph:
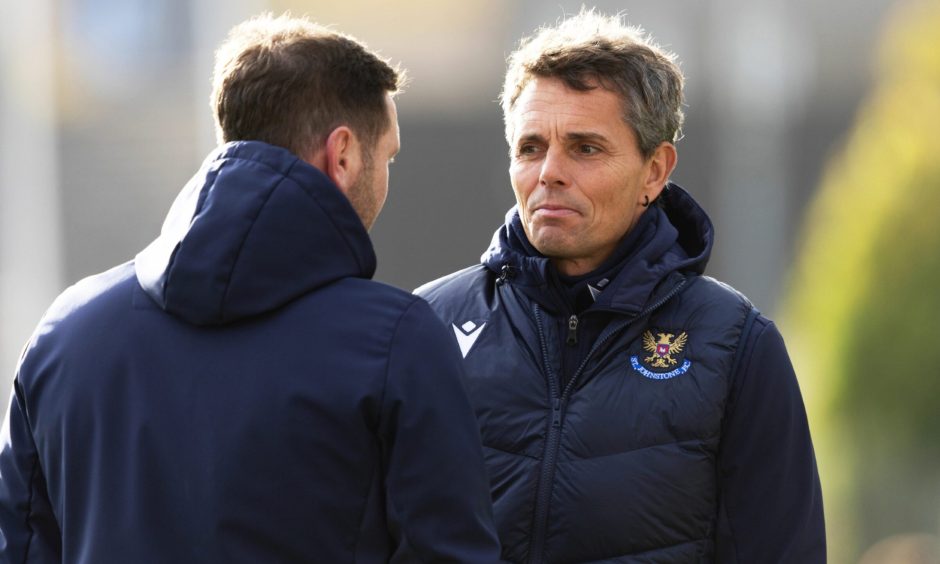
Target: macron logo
[{"x": 467, "y": 335}]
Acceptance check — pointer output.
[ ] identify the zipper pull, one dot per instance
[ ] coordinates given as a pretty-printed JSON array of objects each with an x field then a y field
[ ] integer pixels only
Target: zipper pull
[
  {"x": 505, "y": 273},
  {"x": 572, "y": 330}
]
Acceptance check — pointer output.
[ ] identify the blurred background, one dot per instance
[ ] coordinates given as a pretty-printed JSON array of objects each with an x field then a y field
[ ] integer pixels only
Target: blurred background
[{"x": 811, "y": 138}]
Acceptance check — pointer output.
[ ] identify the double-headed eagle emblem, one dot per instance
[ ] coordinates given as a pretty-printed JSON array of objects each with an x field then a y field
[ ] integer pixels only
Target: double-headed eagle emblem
[{"x": 661, "y": 351}]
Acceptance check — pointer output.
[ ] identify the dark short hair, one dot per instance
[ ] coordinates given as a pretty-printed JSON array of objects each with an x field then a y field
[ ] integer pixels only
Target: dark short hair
[
  {"x": 590, "y": 50},
  {"x": 289, "y": 82}
]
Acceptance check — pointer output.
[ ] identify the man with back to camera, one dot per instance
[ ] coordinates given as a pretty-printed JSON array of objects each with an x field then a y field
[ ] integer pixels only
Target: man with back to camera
[
  {"x": 632, "y": 409},
  {"x": 242, "y": 391}
]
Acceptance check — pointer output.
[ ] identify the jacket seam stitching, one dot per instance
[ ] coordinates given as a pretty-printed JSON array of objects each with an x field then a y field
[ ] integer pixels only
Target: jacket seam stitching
[
  {"x": 633, "y": 450},
  {"x": 388, "y": 362},
  {"x": 510, "y": 452},
  {"x": 668, "y": 546},
  {"x": 741, "y": 364},
  {"x": 32, "y": 491},
  {"x": 749, "y": 321},
  {"x": 200, "y": 203},
  {"x": 254, "y": 222},
  {"x": 391, "y": 345},
  {"x": 362, "y": 515}
]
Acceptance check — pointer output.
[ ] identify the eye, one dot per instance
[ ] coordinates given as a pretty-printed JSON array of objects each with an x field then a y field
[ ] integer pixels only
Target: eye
[
  {"x": 586, "y": 149},
  {"x": 527, "y": 149}
]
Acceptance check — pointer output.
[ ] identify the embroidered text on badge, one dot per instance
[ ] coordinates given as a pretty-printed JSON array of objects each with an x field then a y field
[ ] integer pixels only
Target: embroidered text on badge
[{"x": 635, "y": 361}]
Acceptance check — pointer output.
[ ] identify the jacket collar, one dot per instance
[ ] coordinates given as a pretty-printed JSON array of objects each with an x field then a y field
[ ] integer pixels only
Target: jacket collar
[{"x": 676, "y": 240}]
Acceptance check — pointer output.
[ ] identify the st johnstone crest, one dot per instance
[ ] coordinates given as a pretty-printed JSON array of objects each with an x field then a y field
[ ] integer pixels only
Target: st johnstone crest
[{"x": 666, "y": 355}]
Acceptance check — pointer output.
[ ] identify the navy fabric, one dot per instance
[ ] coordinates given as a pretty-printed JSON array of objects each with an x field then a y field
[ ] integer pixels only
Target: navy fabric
[
  {"x": 242, "y": 392},
  {"x": 596, "y": 455}
]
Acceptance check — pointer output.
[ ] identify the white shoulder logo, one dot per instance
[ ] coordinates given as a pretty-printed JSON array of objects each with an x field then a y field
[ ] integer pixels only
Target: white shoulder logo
[{"x": 467, "y": 335}]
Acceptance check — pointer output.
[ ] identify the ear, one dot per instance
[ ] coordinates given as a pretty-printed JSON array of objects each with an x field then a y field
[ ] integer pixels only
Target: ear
[
  {"x": 342, "y": 158},
  {"x": 660, "y": 165}
]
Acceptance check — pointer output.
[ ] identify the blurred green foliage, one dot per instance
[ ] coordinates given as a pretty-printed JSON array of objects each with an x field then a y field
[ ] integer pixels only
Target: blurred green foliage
[{"x": 863, "y": 307}]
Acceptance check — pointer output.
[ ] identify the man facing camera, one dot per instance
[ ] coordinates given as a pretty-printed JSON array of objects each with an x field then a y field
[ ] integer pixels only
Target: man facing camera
[{"x": 632, "y": 409}]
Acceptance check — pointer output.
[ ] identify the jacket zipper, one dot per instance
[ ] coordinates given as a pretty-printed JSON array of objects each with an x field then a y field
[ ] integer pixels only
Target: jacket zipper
[
  {"x": 572, "y": 330},
  {"x": 553, "y": 440},
  {"x": 543, "y": 489}
]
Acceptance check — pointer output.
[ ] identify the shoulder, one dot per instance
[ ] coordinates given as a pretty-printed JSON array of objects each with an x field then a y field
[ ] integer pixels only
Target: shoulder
[
  {"x": 729, "y": 317},
  {"x": 362, "y": 303},
  {"x": 420, "y": 344},
  {"x": 762, "y": 345},
  {"x": 711, "y": 289},
  {"x": 713, "y": 302},
  {"x": 455, "y": 290},
  {"x": 83, "y": 314},
  {"x": 453, "y": 284},
  {"x": 88, "y": 298},
  {"x": 366, "y": 291},
  {"x": 389, "y": 313},
  {"x": 716, "y": 317},
  {"x": 464, "y": 291}
]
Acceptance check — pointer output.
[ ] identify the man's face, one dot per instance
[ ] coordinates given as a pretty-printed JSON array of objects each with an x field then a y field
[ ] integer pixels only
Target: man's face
[
  {"x": 369, "y": 191},
  {"x": 577, "y": 172}
]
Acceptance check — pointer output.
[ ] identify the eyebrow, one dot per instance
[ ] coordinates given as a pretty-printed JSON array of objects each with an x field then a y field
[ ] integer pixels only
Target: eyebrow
[
  {"x": 573, "y": 136},
  {"x": 586, "y": 136},
  {"x": 528, "y": 138}
]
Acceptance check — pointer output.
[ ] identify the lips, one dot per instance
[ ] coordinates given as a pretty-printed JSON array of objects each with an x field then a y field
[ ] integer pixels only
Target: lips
[{"x": 549, "y": 211}]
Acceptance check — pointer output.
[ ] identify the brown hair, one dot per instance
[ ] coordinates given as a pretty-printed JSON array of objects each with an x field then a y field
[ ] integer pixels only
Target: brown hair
[
  {"x": 590, "y": 50},
  {"x": 289, "y": 82}
]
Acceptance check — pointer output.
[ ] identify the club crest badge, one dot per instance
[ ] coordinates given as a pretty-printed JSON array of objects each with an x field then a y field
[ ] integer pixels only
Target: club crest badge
[{"x": 666, "y": 355}]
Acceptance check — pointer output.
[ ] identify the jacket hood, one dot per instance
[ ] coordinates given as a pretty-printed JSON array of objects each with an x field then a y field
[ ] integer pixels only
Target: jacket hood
[
  {"x": 255, "y": 228},
  {"x": 677, "y": 238}
]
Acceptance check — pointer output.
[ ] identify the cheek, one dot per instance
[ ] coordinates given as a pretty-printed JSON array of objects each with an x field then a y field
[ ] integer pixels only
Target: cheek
[
  {"x": 615, "y": 209},
  {"x": 521, "y": 197},
  {"x": 522, "y": 185}
]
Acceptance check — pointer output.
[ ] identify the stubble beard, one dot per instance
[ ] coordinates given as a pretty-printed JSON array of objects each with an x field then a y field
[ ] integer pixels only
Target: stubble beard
[{"x": 362, "y": 194}]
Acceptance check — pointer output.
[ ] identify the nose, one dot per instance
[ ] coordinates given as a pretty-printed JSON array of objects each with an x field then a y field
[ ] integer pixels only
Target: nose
[{"x": 554, "y": 169}]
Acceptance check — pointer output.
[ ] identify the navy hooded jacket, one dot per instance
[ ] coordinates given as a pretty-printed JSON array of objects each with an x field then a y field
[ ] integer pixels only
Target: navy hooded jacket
[
  {"x": 660, "y": 423},
  {"x": 242, "y": 392}
]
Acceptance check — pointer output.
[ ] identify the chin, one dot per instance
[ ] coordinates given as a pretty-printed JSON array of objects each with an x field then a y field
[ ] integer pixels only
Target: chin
[{"x": 552, "y": 247}]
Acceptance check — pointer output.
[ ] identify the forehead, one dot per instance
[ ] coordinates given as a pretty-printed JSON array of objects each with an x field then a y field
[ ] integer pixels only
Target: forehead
[{"x": 550, "y": 103}]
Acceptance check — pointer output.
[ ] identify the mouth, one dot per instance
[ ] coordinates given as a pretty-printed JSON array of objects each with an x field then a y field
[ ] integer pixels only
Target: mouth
[{"x": 549, "y": 211}]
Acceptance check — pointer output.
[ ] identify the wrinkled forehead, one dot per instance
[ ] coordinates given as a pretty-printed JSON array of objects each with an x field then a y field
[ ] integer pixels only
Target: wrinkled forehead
[
  {"x": 550, "y": 102},
  {"x": 580, "y": 81}
]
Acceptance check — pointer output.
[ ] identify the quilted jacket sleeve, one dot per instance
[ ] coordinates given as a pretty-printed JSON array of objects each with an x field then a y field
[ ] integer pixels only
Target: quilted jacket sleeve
[
  {"x": 436, "y": 484},
  {"x": 770, "y": 509}
]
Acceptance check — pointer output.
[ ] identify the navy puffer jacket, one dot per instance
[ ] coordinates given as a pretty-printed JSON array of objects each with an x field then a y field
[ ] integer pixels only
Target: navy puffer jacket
[
  {"x": 613, "y": 434},
  {"x": 242, "y": 392}
]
